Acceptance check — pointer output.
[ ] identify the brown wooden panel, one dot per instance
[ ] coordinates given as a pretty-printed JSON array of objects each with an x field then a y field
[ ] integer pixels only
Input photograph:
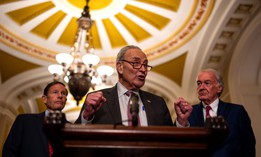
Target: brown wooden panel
[{"x": 96, "y": 140}]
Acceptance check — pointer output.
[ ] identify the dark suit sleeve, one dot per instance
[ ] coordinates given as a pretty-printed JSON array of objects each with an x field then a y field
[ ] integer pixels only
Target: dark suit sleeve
[
  {"x": 166, "y": 114},
  {"x": 241, "y": 140},
  {"x": 14, "y": 138},
  {"x": 157, "y": 111},
  {"x": 79, "y": 119},
  {"x": 248, "y": 138}
]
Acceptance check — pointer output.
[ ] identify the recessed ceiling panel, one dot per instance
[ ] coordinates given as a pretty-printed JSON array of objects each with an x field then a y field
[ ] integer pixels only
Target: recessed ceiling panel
[
  {"x": 25, "y": 14},
  {"x": 150, "y": 17},
  {"x": 66, "y": 38},
  {"x": 135, "y": 29},
  {"x": 116, "y": 38},
  {"x": 46, "y": 28}
]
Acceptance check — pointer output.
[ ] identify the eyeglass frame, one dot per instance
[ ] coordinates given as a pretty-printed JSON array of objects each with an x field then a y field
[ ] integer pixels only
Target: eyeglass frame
[{"x": 146, "y": 66}]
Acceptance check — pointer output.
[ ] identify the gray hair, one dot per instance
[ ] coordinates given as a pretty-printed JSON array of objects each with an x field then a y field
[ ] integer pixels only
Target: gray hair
[
  {"x": 217, "y": 76},
  {"x": 123, "y": 50}
]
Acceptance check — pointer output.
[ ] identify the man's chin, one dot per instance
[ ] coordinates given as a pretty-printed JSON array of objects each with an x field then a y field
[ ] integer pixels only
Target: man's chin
[
  {"x": 59, "y": 107},
  {"x": 202, "y": 98},
  {"x": 139, "y": 84}
]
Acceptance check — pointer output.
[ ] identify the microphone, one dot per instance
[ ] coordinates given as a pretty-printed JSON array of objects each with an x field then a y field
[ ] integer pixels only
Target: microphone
[{"x": 134, "y": 108}]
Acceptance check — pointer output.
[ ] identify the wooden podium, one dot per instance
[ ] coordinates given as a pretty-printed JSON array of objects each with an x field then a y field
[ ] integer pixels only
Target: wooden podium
[{"x": 77, "y": 140}]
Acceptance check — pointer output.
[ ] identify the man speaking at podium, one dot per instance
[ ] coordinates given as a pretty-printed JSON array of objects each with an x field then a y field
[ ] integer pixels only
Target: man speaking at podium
[{"x": 126, "y": 103}]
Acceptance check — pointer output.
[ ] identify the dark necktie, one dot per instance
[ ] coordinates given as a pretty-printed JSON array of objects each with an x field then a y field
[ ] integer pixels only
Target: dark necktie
[
  {"x": 128, "y": 93},
  {"x": 208, "y": 108}
]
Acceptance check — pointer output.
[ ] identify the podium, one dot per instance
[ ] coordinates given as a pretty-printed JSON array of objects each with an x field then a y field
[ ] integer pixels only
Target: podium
[{"x": 77, "y": 140}]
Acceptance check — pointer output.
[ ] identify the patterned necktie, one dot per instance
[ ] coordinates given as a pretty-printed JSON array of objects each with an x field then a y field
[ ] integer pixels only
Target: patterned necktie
[
  {"x": 129, "y": 93},
  {"x": 208, "y": 108}
]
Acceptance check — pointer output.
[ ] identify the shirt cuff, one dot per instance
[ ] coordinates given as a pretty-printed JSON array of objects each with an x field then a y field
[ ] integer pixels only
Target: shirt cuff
[
  {"x": 84, "y": 121},
  {"x": 180, "y": 126}
]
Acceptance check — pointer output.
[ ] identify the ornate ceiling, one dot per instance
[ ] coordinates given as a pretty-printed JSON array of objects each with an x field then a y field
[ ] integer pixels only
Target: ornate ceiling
[
  {"x": 44, "y": 28},
  {"x": 180, "y": 37}
]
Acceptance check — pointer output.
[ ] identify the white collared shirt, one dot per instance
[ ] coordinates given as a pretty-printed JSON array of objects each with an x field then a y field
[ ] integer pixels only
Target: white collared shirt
[
  {"x": 46, "y": 113},
  {"x": 213, "y": 111},
  {"x": 123, "y": 100}
]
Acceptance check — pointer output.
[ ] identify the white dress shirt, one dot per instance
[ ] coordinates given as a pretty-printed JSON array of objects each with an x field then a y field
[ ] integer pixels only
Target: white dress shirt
[
  {"x": 212, "y": 112},
  {"x": 124, "y": 99}
]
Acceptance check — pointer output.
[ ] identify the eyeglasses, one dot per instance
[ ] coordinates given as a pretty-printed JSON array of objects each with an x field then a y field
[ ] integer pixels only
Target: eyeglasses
[{"x": 138, "y": 65}]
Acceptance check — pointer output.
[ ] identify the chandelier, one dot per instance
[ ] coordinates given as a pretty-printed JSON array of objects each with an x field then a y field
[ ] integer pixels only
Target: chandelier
[{"x": 80, "y": 68}]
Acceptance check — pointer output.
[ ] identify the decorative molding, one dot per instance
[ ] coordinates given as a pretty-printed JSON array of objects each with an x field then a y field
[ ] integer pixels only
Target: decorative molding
[
  {"x": 23, "y": 46},
  {"x": 201, "y": 15},
  {"x": 225, "y": 41}
]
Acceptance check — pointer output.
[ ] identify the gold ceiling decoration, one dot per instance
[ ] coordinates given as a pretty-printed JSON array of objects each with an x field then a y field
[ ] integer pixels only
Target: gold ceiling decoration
[{"x": 46, "y": 27}]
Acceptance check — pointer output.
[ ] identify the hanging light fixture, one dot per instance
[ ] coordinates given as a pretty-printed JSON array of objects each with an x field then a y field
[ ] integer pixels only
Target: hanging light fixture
[{"x": 80, "y": 68}]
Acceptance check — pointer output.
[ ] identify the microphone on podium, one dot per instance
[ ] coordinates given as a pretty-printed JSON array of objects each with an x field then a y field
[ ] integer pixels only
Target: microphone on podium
[{"x": 134, "y": 108}]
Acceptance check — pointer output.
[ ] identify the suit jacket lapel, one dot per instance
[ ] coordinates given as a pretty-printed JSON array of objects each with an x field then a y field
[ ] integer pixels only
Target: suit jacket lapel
[
  {"x": 222, "y": 109},
  {"x": 200, "y": 115},
  {"x": 148, "y": 107},
  {"x": 114, "y": 107}
]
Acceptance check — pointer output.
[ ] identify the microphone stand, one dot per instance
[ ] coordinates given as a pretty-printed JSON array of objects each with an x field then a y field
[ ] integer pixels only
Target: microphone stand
[{"x": 134, "y": 108}]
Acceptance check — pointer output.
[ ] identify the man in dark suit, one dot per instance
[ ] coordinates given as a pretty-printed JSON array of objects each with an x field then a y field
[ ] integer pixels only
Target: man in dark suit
[
  {"x": 110, "y": 106},
  {"x": 26, "y": 137},
  {"x": 240, "y": 141}
]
